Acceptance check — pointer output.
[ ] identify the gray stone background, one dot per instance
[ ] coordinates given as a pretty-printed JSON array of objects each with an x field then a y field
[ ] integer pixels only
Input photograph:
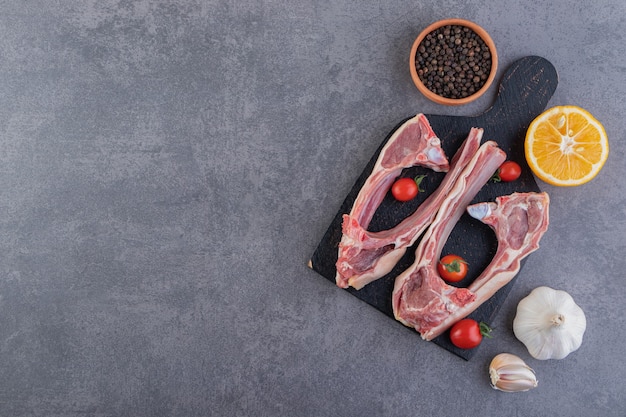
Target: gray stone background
[{"x": 168, "y": 168}]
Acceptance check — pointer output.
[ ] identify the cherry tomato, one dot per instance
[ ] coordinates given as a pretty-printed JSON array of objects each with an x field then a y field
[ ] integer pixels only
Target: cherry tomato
[
  {"x": 452, "y": 268},
  {"x": 509, "y": 171},
  {"x": 468, "y": 333},
  {"x": 406, "y": 189}
]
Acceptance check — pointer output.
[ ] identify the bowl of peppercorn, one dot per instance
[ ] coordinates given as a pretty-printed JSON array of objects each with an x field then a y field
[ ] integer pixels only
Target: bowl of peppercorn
[{"x": 453, "y": 61}]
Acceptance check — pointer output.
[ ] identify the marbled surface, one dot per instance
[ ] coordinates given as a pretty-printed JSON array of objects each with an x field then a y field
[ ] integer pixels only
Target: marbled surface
[{"x": 169, "y": 167}]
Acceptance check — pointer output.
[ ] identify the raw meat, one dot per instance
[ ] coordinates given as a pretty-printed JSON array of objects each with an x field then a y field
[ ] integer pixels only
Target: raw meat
[
  {"x": 414, "y": 143},
  {"x": 421, "y": 299},
  {"x": 519, "y": 221},
  {"x": 367, "y": 256}
]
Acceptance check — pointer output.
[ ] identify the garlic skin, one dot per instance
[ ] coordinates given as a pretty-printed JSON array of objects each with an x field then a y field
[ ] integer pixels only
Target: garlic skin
[
  {"x": 509, "y": 373},
  {"x": 549, "y": 323}
]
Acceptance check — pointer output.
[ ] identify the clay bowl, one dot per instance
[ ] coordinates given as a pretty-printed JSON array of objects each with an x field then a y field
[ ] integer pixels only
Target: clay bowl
[{"x": 440, "y": 98}]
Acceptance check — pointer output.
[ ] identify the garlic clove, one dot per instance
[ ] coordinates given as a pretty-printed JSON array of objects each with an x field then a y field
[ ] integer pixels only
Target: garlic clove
[{"x": 509, "y": 373}]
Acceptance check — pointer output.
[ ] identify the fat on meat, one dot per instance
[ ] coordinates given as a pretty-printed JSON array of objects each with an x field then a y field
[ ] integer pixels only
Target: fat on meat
[
  {"x": 421, "y": 299},
  {"x": 359, "y": 257}
]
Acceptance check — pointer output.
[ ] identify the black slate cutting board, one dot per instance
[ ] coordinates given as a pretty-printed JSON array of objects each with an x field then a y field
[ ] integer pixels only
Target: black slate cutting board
[{"x": 523, "y": 94}]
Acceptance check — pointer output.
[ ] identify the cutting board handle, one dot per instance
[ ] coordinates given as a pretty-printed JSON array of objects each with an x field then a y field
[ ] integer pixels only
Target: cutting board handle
[{"x": 524, "y": 92}]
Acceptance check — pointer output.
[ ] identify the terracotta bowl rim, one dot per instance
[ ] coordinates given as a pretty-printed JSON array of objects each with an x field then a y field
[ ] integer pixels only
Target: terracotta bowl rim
[{"x": 480, "y": 32}]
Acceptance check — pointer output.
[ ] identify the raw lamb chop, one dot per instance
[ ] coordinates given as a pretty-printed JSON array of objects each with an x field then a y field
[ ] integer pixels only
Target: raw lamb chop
[
  {"x": 414, "y": 143},
  {"x": 421, "y": 299},
  {"x": 519, "y": 221},
  {"x": 367, "y": 256}
]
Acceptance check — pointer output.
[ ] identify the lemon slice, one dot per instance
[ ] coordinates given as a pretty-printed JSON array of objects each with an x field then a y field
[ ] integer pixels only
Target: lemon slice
[{"x": 566, "y": 146}]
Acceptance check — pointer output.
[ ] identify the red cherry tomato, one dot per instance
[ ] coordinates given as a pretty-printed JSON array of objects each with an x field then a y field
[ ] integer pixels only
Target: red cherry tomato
[
  {"x": 406, "y": 189},
  {"x": 468, "y": 333},
  {"x": 452, "y": 268},
  {"x": 509, "y": 171}
]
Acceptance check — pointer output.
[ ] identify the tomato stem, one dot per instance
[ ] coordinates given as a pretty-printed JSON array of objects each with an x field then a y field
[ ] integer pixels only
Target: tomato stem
[
  {"x": 496, "y": 176},
  {"x": 454, "y": 266},
  {"x": 485, "y": 330},
  {"x": 418, "y": 181}
]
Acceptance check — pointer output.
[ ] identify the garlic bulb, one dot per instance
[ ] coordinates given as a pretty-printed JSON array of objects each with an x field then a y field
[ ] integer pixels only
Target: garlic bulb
[
  {"x": 549, "y": 323},
  {"x": 510, "y": 374}
]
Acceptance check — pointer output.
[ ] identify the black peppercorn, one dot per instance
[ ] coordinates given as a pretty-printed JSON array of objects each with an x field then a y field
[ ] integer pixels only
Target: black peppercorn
[{"x": 453, "y": 61}]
